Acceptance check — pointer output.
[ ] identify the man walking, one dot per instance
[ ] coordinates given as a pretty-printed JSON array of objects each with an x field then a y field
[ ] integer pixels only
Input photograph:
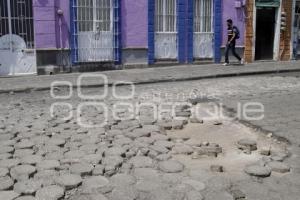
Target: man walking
[{"x": 233, "y": 34}]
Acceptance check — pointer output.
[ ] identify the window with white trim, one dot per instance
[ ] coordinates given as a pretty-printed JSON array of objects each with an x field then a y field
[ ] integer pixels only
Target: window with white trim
[
  {"x": 94, "y": 15},
  {"x": 165, "y": 16},
  {"x": 203, "y": 16}
]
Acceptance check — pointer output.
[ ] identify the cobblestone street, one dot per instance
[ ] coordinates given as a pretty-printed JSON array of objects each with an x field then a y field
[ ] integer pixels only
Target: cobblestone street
[{"x": 183, "y": 155}]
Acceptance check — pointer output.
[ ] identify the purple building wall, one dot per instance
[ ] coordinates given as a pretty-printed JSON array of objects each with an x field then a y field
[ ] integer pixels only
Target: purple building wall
[
  {"x": 135, "y": 23},
  {"x": 46, "y": 23},
  {"x": 237, "y": 15}
]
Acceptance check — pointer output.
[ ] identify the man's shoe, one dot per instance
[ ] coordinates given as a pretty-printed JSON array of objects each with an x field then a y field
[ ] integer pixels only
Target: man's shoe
[
  {"x": 242, "y": 62},
  {"x": 225, "y": 64}
]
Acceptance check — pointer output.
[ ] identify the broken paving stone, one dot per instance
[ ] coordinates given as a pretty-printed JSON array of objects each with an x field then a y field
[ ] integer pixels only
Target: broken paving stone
[
  {"x": 26, "y": 198},
  {"x": 211, "y": 150},
  {"x": 196, "y": 120},
  {"x": 69, "y": 181},
  {"x": 279, "y": 156},
  {"x": 171, "y": 166},
  {"x": 52, "y": 192},
  {"x": 110, "y": 170},
  {"x": 182, "y": 149},
  {"x": 27, "y": 186},
  {"x": 3, "y": 172},
  {"x": 265, "y": 151},
  {"x": 163, "y": 157},
  {"x": 257, "y": 170},
  {"x": 178, "y": 124},
  {"x": 115, "y": 151},
  {"x": 98, "y": 170},
  {"x": 197, "y": 185},
  {"x": 194, "y": 195},
  {"x": 31, "y": 159},
  {"x": 183, "y": 113},
  {"x": 4, "y": 156},
  {"x": 122, "y": 180},
  {"x": 89, "y": 197},
  {"x": 279, "y": 167},
  {"x": 6, "y": 183},
  {"x": 217, "y": 122},
  {"x": 145, "y": 173},
  {"x": 216, "y": 168},
  {"x": 113, "y": 161},
  {"x": 8, "y": 195},
  {"x": 24, "y": 144},
  {"x": 148, "y": 185},
  {"x": 124, "y": 193},
  {"x": 74, "y": 154},
  {"x": 157, "y": 137},
  {"x": 46, "y": 177},
  {"x": 139, "y": 132},
  {"x": 159, "y": 149},
  {"x": 7, "y": 142},
  {"x": 141, "y": 162},
  {"x": 164, "y": 143},
  {"x": 96, "y": 184},
  {"x": 20, "y": 153},
  {"x": 82, "y": 169},
  {"x": 166, "y": 125},
  {"x": 92, "y": 158},
  {"x": 21, "y": 172},
  {"x": 48, "y": 164},
  {"x": 6, "y": 149},
  {"x": 56, "y": 141},
  {"x": 237, "y": 194},
  {"x": 247, "y": 145}
]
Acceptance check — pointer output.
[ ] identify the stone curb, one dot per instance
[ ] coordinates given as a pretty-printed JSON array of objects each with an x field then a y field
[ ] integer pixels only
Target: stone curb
[{"x": 222, "y": 75}]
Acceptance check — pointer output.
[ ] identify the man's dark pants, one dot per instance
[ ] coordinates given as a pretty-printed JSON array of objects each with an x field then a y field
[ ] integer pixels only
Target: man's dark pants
[{"x": 231, "y": 47}]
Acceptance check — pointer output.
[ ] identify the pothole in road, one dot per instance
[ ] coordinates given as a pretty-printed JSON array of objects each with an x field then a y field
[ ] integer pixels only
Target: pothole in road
[
  {"x": 226, "y": 136},
  {"x": 230, "y": 147}
]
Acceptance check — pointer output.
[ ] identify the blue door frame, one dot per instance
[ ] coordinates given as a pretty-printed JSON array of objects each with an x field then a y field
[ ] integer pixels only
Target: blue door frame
[
  {"x": 185, "y": 26},
  {"x": 117, "y": 32}
]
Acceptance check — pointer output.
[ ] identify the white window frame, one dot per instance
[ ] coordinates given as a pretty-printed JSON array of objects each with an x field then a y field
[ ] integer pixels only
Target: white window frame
[
  {"x": 202, "y": 17},
  {"x": 166, "y": 27},
  {"x": 95, "y": 20}
]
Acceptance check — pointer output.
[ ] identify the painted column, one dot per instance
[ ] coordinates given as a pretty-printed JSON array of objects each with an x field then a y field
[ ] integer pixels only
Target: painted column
[
  {"x": 217, "y": 30},
  {"x": 151, "y": 31},
  {"x": 190, "y": 29},
  {"x": 117, "y": 31},
  {"x": 181, "y": 29}
]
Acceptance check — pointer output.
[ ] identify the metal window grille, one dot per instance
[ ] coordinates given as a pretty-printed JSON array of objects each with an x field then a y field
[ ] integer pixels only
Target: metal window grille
[
  {"x": 203, "y": 29},
  {"x": 203, "y": 15},
  {"x": 95, "y": 30},
  {"x": 16, "y": 17},
  {"x": 165, "y": 14}
]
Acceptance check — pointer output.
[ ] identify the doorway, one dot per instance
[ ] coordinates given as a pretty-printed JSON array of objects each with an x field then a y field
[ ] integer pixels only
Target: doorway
[{"x": 265, "y": 33}]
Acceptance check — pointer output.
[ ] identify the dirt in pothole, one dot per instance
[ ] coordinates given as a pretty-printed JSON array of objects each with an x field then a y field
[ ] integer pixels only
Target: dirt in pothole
[{"x": 226, "y": 136}]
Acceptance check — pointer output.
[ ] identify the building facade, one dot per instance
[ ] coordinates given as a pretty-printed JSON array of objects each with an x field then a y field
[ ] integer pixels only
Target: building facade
[{"x": 72, "y": 34}]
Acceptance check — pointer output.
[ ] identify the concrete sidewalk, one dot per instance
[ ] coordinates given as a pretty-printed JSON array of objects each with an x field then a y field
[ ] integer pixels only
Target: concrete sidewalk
[{"x": 148, "y": 75}]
